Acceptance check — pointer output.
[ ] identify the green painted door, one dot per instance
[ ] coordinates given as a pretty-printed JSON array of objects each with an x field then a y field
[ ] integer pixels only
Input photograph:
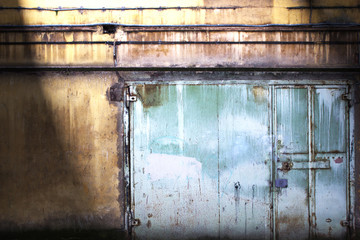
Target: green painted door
[
  {"x": 311, "y": 154},
  {"x": 210, "y": 161},
  {"x": 194, "y": 169},
  {"x": 244, "y": 162}
]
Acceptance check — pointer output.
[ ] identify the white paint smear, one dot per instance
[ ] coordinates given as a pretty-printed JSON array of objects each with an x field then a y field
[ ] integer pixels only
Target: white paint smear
[{"x": 165, "y": 166}]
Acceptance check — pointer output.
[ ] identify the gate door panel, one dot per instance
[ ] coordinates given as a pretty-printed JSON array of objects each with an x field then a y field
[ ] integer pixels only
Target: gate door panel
[
  {"x": 310, "y": 128},
  {"x": 201, "y": 162},
  {"x": 330, "y": 185},
  {"x": 291, "y": 128},
  {"x": 244, "y": 162},
  {"x": 239, "y": 161}
]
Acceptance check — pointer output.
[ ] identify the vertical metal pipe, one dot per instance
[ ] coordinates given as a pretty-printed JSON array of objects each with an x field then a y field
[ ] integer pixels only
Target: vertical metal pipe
[{"x": 310, "y": 15}]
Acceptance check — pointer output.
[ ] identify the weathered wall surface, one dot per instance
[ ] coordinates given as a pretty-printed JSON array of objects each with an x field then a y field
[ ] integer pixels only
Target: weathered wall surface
[
  {"x": 214, "y": 46},
  {"x": 187, "y": 48},
  {"x": 182, "y": 12},
  {"x": 244, "y": 49},
  {"x": 59, "y": 165},
  {"x": 60, "y": 138}
]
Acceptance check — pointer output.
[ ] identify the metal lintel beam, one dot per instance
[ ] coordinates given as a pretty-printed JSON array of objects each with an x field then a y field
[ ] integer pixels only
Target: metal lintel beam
[{"x": 183, "y": 42}]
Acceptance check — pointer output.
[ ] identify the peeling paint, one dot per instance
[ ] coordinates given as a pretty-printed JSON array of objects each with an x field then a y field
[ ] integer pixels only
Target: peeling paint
[{"x": 163, "y": 166}]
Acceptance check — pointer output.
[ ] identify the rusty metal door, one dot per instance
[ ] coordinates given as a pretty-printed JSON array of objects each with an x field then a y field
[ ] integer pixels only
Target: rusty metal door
[
  {"x": 239, "y": 161},
  {"x": 311, "y": 159}
]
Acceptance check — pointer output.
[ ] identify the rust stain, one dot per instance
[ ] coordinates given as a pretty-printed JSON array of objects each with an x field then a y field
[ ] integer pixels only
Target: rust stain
[
  {"x": 150, "y": 95},
  {"x": 148, "y": 224},
  {"x": 291, "y": 223},
  {"x": 286, "y": 166},
  {"x": 260, "y": 94}
]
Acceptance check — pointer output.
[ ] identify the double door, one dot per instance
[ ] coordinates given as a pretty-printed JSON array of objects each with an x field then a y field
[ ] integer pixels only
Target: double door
[{"x": 239, "y": 161}]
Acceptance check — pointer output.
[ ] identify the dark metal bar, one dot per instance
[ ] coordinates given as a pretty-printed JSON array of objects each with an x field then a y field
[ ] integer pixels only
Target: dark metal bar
[
  {"x": 323, "y": 7},
  {"x": 163, "y": 8},
  {"x": 48, "y": 29},
  {"x": 311, "y": 8},
  {"x": 315, "y": 25},
  {"x": 358, "y": 38},
  {"x": 120, "y": 9},
  {"x": 163, "y": 28},
  {"x": 184, "y": 69},
  {"x": 242, "y": 29},
  {"x": 193, "y": 25},
  {"x": 182, "y": 42}
]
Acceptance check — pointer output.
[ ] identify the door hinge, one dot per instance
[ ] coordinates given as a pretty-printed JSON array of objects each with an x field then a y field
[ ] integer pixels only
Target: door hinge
[
  {"x": 130, "y": 97},
  {"x": 133, "y": 222},
  {"x": 346, "y": 223},
  {"x": 349, "y": 222},
  {"x": 346, "y": 96}
]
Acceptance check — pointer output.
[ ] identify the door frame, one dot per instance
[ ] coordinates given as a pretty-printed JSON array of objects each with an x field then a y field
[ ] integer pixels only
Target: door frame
[{"x": 128, "y": 135}]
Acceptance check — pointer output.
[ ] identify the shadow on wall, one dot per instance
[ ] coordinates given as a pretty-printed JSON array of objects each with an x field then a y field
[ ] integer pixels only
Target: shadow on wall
[
  {"x": 340, "y": 13},
  {"x": 330, "y": 13},
  {"x": 45, "y": 153}
]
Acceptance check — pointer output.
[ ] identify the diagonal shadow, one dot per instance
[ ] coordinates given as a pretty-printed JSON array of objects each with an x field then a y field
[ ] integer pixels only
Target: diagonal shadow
[{"x": 44, "y": 141}]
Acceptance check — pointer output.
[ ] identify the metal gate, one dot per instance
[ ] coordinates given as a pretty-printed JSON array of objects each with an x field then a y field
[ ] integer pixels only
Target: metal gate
[{"x": 239, "y": 161}]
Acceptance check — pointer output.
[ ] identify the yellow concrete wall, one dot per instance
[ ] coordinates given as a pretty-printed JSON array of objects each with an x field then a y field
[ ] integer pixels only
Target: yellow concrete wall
[
  {"x": 249, "y": 12},
  {"x": 59, "y": 165},
  {"x": 80, "y": 55},
  {"x": 196, "y": 55}
]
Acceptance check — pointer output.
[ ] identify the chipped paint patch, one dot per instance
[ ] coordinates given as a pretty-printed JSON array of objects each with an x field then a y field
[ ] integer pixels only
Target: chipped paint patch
[
  {"x": 338, "y": 160},
  {"x": 164, "y": 166}
]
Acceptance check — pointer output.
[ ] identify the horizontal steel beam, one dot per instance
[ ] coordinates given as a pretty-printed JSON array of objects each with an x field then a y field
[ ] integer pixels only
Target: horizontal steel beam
[
  {"x": 160, "y": 8},
  {"x": 315, "y": 25},
  {"x": 201, "y": 27},
  {"x": 243, "y": 29},
  {"x": 183, "y": 69},
  {"x": 48, "y": 29},
  {"x": 183, "y": 42},
  {"x": 323, "y": 7}
]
